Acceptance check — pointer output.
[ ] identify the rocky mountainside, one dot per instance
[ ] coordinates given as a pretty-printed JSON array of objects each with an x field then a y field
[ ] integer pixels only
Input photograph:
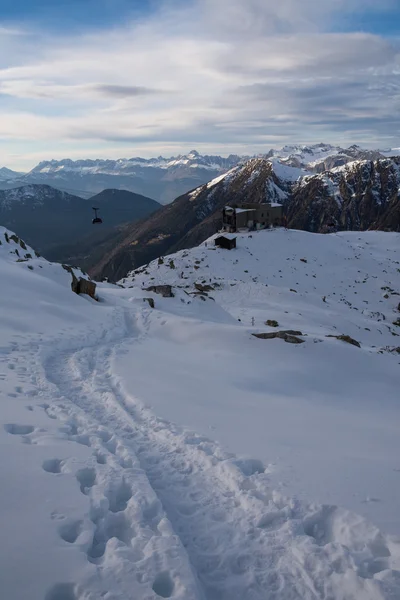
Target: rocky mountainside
[
  {"x": 47, "y": 218},
  {"x": 167, "y": 178},
  {"x": 360, "y": 195}
]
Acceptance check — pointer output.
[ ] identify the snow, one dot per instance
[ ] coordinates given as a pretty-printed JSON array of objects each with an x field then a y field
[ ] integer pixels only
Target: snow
[
  {"x": 242, "y": 210},
  {"x": 168, "y": 453},
  {"x": 286, "y": 172},
  {"x": 225, "y": 176}
]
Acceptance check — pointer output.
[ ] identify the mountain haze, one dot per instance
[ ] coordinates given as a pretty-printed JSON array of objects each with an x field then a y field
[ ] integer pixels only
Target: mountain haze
[
  {"x": 160, "y": 178},
  {"x": 47, "y": 217}
]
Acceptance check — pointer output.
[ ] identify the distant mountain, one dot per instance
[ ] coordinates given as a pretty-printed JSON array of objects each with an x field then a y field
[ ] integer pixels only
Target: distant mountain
[
  {"x": 167, "y": 178},
  {"x": 47, "y": 218},
  {"x": 9, "y": 175},
  {"x": 360, "y": 195},
  {"x": 161, "y": 178}
]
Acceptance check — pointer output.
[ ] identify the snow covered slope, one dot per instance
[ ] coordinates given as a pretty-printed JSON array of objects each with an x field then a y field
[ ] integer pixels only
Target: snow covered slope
[{"x": 114, "y": 484}]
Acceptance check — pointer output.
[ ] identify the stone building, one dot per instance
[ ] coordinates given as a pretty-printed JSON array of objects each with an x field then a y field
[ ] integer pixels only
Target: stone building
[{"x": 252, "y": 216}]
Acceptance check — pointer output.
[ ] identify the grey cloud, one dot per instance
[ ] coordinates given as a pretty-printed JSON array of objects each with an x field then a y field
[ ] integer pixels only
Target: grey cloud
[
  {"x": 124, "y": 91},
  {"x": 244, "y": 73}
]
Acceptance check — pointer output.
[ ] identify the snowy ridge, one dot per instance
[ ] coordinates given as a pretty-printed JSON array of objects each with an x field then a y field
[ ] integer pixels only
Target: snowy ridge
[
  {"x": 125, "y": 165},
  {"x": 166, "y": 178},
  {"x": 108, "y": 427},
  {"x": 8, "y": 174},
  {"x": 34, "y": 195},
  {"x": 297, "y": 156}
]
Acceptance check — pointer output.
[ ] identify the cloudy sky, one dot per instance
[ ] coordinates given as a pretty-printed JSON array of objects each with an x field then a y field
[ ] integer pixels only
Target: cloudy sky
[{"x": 116, "y": 78}]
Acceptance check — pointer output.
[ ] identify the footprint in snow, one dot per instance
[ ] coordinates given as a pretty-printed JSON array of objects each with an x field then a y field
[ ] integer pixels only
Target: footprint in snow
[
  {"x": 16, "y": 429},
  {"x": 163, "y": 585},
  {"x": 86, "y": 478},
  {"x": 61, "y": 591},
  {"x": 70, "y": 531},
  {"x": 47, "y": 410},
  {"x": 52, "y": 465}
]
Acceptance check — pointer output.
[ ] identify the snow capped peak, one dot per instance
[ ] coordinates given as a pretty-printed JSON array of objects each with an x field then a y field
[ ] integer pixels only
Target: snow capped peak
[{"x": 8, "y": 174}]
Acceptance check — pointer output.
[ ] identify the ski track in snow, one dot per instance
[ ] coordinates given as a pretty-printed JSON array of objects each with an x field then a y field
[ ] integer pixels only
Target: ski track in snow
[{"x": 172, "y": 515}]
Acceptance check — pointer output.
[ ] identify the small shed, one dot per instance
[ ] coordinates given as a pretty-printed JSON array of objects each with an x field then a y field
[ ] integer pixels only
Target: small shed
[{"x": 225, "y": 241}]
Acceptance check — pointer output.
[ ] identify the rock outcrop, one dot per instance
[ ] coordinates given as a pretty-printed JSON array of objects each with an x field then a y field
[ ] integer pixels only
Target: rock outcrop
[
  {"x": 80, "y": 285},
  {"x": 164, "y": 290},
  {"x": 347, "y": 339},
  {"x": 290, "y": 336}
]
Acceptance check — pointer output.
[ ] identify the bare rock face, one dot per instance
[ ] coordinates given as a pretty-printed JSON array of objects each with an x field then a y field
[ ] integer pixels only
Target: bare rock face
[
  {"x": 164, "y": 290},
  {"x": 81, "y": 285},
  {"x": 289, "y": 336}
]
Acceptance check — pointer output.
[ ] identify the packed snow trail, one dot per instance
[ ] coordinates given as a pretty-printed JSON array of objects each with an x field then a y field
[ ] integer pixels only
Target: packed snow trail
[
  {"x": 218, "y": 531},
  {"x": 104, "y": 500}
]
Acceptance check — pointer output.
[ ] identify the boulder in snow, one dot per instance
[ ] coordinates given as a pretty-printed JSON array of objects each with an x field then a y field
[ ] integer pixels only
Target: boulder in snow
[
  {"x": 288, "y": 336},
  {"x": 81, "y": 285},
  {"x": 347, "y": 339},
  {"x": 150, "y": 301},
  {"x": 164, "y": 290}
]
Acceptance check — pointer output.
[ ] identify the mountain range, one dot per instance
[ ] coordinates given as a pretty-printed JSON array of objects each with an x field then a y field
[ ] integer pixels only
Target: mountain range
[
  {"x": 165, "y": 179},
  {"x": 321, "y": 187},
  {"x": 359, "y": 195},
  {"x": 160, "y": 178}
]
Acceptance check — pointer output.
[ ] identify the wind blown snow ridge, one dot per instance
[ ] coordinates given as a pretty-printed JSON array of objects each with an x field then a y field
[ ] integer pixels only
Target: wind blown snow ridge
[{"x": 111, "y": 412}]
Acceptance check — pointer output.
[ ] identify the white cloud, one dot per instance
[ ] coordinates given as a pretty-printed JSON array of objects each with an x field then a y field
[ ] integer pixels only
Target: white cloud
[{"x": 216, "y": 73}]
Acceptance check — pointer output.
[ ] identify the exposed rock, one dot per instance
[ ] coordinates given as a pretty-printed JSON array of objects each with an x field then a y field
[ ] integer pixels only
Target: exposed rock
[
  {"x": 150, "y": 301},
  {"x": 288, "y": 336},
  {"x": 397, "y": 322},
  {"x": 203, "y": 288},
  {"x": 81, "y": 285},
  {"x": 347, "y": 339},
  {"x": 392, "y": 349},
  {"x": 164, "y": 290},
  {"x": 272, "y": 323}
]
